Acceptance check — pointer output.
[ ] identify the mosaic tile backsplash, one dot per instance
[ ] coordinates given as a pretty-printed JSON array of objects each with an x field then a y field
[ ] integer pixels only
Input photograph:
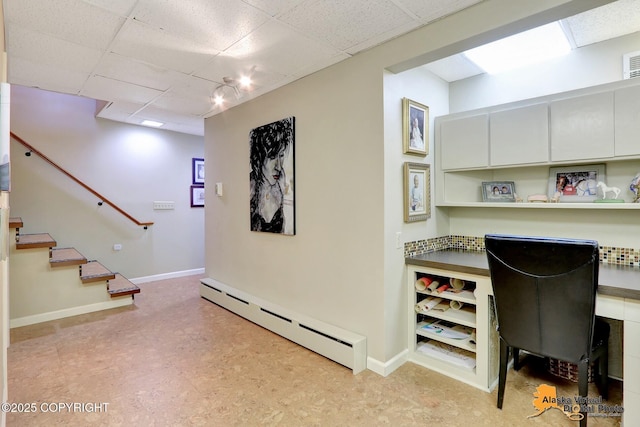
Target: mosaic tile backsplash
[{"x": 608, "y": 254}]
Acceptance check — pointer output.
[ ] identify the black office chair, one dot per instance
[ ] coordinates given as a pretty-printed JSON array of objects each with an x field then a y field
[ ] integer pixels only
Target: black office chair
[{"x": 545, "y": 295}]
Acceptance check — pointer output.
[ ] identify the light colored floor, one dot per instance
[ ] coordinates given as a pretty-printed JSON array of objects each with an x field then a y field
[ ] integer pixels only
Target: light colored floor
[{"x": 175, "y": 359}]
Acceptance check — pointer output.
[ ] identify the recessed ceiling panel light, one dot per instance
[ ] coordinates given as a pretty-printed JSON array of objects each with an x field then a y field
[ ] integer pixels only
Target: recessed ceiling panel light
[
  {"x": 152, "y": 123},
  {"x": 526, "y": 48}
]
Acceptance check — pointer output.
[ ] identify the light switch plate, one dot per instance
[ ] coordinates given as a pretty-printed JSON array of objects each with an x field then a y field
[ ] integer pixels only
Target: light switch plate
[{"x": 164, "y": 205}]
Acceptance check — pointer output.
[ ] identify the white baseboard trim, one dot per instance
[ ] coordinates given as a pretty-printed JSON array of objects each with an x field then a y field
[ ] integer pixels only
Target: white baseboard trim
[
  {"x": 68, "y": 312},
  {"x": 164, "y": 276},
  {"x": 386, "y": 368}
]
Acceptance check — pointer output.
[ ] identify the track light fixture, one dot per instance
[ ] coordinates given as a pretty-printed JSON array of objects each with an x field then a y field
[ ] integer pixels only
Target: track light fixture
[{"x": 232, "y": 84}]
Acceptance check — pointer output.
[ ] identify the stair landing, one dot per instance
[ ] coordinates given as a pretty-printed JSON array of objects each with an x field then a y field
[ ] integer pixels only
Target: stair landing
[{"x": 28, "y": 241}]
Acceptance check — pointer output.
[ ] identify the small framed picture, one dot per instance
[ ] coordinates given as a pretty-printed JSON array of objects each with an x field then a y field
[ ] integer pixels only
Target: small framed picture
[
  {"x": 415, "y": 127},
  {"x": 197, "y": 171},
  {"x": 417, "y": 192},
  {"x": 575, "y": 183},
  {"x": 498, "y": 191},
  {"x": 197, "y": 196}
]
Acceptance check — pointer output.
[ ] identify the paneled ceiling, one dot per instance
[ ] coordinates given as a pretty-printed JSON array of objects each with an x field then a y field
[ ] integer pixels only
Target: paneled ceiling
[
  {"x": 162, "y": 59},
  {"x": 606, "y": 22}
]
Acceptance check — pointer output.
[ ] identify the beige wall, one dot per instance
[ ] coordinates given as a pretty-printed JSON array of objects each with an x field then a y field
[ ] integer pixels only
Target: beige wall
[
  {"x": 342, "y": 266},
  {"x": 130, "y": 165}
]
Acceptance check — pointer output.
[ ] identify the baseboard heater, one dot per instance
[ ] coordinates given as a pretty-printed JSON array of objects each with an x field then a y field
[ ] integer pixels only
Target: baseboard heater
[{"x": 344, "y": 347}]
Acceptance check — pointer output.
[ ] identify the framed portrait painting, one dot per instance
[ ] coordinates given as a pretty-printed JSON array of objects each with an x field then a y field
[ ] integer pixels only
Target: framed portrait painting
[
  {"x": 197, "y": 171},
  {"x": 415, "y": 127},
  {"x": 417, "y": 192},
  {"x": 271, "y": 177}
]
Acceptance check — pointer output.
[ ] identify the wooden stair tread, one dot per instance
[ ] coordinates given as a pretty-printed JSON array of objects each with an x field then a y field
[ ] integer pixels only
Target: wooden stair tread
[
  {"x": 93, "y": 271},
  {"x": 121, "y": 286},
  {"x": 66, "y": 256},
  {"x": 15, "y": 222},
  {"x": 41, "y": 240}
]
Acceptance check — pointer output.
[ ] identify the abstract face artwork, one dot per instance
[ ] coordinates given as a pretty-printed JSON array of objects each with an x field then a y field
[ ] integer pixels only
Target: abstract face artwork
[{"x": 271, "y": 178}]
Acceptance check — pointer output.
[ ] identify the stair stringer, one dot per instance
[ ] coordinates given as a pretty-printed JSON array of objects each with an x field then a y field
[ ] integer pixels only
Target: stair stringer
[{"x": 39, "y": 293}]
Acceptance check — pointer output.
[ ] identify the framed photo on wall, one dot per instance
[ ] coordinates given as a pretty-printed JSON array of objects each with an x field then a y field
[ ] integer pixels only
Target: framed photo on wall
[
  {"x": 415, "y": 127},
  {"x": 498, "y": 191},
  {"x": 575, "y": 183},
  {"x": 197, "y": 171},
  {"x": 417, "y": 192},
  {"x": 197, "y": 196}
]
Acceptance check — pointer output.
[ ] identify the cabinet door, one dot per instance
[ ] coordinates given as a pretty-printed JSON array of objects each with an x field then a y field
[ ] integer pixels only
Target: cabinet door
[
  {"x": 582, "y": 127},
  {"x": 627, "y": 121},
  {"x": 520, "y": 135},
  {"x": 464, "y": 142}
]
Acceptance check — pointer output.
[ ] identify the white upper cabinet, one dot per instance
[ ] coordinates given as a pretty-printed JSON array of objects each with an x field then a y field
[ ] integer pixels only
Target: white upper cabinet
[
  {"x": 520, "y": 135},
  {"x": 582, "y": 127},
  {"x": 464, "y": 142},
  {"x": 627, "y": 121}
]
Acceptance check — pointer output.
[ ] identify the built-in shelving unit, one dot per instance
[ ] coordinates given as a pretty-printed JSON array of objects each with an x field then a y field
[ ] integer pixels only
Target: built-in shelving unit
[
  {"x": 449, "y": 325},
  {"x": 526, "y": 205},
  {"x": 521, "y": 141}
]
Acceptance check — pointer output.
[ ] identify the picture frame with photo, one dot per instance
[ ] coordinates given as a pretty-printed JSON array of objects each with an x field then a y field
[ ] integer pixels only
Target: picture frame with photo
[
  {"x": 498, "y": 191},
  {"x": 575, "y": 183},
  {"x": 415, "y": 127},
  {"x": 197, "y": 171},
  {"x": 417, "y": 192},
  {"x": 197, "y": 196}
]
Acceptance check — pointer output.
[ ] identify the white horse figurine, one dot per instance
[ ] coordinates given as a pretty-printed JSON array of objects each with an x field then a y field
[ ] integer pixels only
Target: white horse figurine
[{"x": 603, "y": 187}]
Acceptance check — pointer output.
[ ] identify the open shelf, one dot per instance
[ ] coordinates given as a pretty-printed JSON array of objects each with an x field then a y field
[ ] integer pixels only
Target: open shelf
[
  {"x": 465, "y": 344},
  {"x": 609, "y": 206}
]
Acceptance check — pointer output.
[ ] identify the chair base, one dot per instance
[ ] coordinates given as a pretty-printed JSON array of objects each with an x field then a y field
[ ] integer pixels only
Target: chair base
[{"x": 600, "y": 354}]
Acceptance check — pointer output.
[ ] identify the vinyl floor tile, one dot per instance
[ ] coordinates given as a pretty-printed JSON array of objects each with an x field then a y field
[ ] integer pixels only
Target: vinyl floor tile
[{"x": 175, "y": 359}]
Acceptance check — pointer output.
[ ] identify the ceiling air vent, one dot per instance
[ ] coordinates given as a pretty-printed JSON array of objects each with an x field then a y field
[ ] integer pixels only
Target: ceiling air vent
[{"x": 631, "y": 65}]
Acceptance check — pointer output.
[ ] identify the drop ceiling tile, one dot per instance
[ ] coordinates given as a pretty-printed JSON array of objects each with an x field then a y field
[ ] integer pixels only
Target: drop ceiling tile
[
  {"x": 26, "y": 73},
  {"x": 273, "y": 7},
  {"x": 119, "y": 7},
  {"x": 275, "y": 48},
  {"x": 163, "y": 49},
  {"x": 98, "y": 87},
  {"x": 140, "y": 73},
  {"x": 612, "y": 20},
  {"x": 71, "y": 20},
  {"x": 316, "y": 66},
  {"x": 215, "y": 23},
  {"x": 453, "y": 68},
  {"x": 40, "y": 49},
  {"x": 226, "y": 65},
  {"x": 176, "y": 122},
  {"x": 119, "y": 110},
  {"x": 345, "y": 24},
  {"x": 431, "y": 10},
  {"x": 185, "y": 102}
]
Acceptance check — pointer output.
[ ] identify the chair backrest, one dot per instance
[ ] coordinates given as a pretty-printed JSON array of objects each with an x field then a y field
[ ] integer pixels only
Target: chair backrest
[{"x": 545, "y": 291}]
